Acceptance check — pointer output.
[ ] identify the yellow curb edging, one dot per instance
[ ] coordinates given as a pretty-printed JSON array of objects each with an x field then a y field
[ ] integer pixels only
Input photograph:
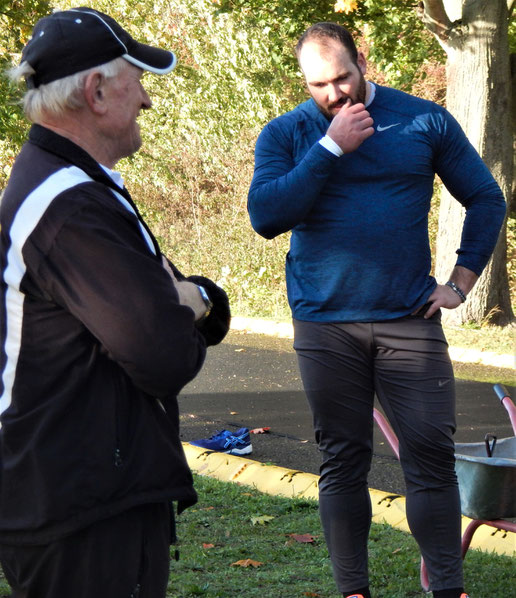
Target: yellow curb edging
[{"x": 279, "y": 481}]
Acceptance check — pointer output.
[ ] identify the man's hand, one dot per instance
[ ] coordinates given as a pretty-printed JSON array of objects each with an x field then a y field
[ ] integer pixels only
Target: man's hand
[
  {"x": 188, "y": 292},
  {"x": 445, "y": 296},
  {"x": 351, "y": 126}
]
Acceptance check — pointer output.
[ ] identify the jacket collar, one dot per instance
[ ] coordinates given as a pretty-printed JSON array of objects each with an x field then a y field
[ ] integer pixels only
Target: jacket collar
[{"x": 71, "y": 152}]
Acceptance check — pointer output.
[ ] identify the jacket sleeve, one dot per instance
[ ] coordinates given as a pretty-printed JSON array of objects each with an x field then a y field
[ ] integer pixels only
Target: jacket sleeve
[
  {"x": 468, "y": 179},
  {"x": 282, "y": 192},
  {"x": 104, "y": 274}
]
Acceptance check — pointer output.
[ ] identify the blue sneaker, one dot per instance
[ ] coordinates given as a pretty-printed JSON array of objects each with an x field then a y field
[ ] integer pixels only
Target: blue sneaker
[
  {"x": 224, "y": 441},
  {"x": 239, "y": 443}
]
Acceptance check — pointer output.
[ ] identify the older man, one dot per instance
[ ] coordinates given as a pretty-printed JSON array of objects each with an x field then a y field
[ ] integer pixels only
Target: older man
[
  {"x": 350, "y": 172},
  {"x": 99, "y": 331}
]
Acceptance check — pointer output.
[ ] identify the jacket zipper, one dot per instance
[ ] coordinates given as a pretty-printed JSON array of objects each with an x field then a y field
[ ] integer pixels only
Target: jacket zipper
[{"x": 118, "y": 453}]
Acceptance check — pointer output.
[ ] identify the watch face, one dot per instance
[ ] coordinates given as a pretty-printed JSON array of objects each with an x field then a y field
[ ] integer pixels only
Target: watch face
[
  {"x": 204, "y": 294},
  {"x": 206, "y": 299}
]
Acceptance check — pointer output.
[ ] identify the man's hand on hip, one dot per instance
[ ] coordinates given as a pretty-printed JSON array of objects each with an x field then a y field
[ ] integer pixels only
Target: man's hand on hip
[
  {"x": 443, "y": 296},
  {"x": 453, "y": 293}
]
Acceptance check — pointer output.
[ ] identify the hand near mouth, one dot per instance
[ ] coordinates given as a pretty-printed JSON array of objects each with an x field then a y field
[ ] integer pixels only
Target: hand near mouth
[{"x": 351, "y": 126}]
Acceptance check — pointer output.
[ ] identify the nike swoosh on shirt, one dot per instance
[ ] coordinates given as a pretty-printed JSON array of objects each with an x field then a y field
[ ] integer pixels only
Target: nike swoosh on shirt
[{"x": 379, "y": 128}]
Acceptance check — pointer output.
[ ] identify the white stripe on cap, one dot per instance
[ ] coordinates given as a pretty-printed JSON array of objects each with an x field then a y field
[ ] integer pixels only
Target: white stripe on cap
[
  {"x": 152, "y": 69},
  {"x": 127, "y": 56},
  {"x": 90, "y": 12}
]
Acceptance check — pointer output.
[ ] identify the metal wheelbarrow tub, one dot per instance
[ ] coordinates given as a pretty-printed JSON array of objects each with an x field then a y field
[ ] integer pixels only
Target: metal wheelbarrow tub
[{"x": 487, "y": 484}]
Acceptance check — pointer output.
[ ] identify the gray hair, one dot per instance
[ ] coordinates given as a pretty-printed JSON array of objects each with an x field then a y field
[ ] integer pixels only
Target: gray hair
[{"x": 63, "y": 94}]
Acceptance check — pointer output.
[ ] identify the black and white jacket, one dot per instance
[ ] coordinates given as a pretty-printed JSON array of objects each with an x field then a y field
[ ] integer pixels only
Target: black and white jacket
[{"x": 95, "y": 348}]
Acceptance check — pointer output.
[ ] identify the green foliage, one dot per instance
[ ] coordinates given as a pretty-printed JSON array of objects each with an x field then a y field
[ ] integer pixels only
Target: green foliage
[
  {"x": 236, "y": 71},
  {"x": 192, "y": 174},
  {"x": 16, "y": 20},
  {"x": 280, "y": 23},
  {"x": 223, "y": 82},
  {"x": 399, "y": 43}
]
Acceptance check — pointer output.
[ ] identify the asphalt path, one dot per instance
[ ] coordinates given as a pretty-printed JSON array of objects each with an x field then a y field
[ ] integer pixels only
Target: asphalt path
[{"x": 252, "y": 380}]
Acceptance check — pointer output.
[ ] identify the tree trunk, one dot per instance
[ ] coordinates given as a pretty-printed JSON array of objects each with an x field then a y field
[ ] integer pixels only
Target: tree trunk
[{"x": 479, "y": 96}]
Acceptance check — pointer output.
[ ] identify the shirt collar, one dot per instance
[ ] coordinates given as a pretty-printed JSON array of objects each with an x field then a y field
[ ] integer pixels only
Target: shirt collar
[
  {"x": 372, "y": 93},
  {"x": 115, "y": 176}
]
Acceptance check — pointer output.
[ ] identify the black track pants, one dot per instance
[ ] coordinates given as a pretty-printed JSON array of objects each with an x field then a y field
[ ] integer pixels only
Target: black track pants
[
  {"x": 126, "y": 556},
  {"x": 406, "y": 363}
]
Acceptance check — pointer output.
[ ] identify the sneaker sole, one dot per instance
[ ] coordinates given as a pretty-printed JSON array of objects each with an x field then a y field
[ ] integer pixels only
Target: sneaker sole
[{"x": 243, "y": 451}]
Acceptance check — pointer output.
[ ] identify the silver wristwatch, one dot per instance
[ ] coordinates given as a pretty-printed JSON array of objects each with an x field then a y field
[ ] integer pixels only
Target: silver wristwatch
[{"x": 207, "y": 302}]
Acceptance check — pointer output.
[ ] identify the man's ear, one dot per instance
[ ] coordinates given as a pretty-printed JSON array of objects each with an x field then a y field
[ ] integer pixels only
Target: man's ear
[
  {"x": 95, "y": 93},
  {"x": 362, "y": 63}
]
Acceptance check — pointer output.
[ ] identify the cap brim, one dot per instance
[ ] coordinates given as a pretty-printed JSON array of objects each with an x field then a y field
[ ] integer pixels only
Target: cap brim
[{"x": 151, "y": 59}]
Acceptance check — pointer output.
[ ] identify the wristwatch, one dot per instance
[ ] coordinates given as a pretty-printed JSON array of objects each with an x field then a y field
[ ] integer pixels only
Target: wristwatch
[{"x": 207, "y": 302}]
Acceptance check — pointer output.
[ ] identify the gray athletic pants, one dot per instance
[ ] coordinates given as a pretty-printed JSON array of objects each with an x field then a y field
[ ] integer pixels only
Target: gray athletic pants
[{"x": 406, "y": 363}]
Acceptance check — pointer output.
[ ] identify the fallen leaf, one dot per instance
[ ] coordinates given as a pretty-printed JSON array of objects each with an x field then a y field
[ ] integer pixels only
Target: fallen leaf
[
  {"x": 206, "y": 545},
  {"x": 233, "y": 413},
  {"x": 261, "y": 519},
  {"x": 246, "y": 563},
  {"x": 260, "y": 430},
  {"x": 303, "y": 538},
  {"x": 395, "y": 551}
]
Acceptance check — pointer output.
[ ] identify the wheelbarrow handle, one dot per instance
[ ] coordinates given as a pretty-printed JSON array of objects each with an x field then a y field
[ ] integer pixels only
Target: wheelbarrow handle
[
  {"x": 505, "y": 398},
  {"x": 501, "y": 391}
]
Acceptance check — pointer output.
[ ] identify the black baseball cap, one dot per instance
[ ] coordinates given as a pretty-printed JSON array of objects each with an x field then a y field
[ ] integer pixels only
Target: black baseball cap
[{"x": 67, "y": 42}]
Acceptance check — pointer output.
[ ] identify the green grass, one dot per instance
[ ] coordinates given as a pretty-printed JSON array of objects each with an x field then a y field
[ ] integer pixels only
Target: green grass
[
  {"x": 233, "y": 523},
  {"x": 496, "y": 339},
  {"x": 484, "y": 373},
  {"x": 493, "y": 339}
]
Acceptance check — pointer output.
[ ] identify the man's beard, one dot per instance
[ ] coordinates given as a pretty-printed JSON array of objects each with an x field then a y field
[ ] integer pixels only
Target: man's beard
[{"x": 359, "y": 99}]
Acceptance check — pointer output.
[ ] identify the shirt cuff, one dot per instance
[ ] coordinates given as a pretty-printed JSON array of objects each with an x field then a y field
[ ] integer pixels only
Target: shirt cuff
[{"x": 331, "y": 146}]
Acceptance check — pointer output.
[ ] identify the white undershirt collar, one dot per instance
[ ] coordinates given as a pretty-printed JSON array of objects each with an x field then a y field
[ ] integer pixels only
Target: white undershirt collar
[
  {"x": 114, "y": 175},
  {"x": 372, "y": 93}
]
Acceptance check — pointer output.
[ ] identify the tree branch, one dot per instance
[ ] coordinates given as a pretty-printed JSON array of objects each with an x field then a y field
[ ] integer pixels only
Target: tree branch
[
  {"x": 433, "y": 14},
  {"x": 510, "y": 6}
]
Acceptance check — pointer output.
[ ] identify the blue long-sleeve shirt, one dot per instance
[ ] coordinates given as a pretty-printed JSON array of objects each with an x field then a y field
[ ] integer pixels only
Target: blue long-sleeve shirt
[{"x": 359, "y": 248}]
